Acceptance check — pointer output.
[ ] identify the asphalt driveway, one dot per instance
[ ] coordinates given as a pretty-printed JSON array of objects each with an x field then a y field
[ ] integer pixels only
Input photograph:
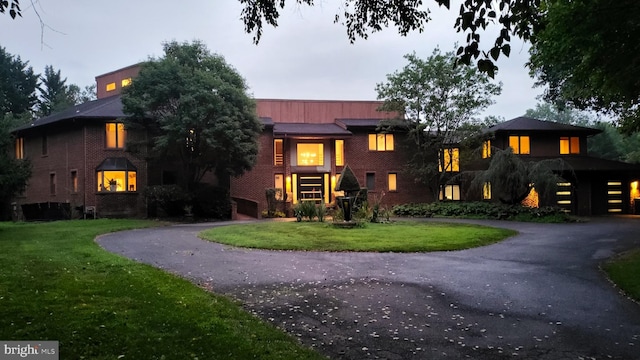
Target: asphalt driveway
[{"x": 537, "y": 295}]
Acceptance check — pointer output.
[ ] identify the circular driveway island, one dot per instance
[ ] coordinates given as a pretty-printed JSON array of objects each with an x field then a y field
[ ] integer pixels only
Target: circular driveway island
[{"x": 537, "y": 295}]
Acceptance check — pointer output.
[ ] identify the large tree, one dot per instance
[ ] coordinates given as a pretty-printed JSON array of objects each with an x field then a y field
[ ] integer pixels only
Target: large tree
[
  {"x": 55, "y": 94},
  {"x": 197, "y": 110},
  {"x": 435, "y": 98},
  {"x": 13, "y": 7},
  {"x": 18, "y": 85}
]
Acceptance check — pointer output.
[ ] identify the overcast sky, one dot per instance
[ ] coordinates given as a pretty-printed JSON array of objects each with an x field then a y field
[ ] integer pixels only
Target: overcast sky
[{"x": 306, "y": 57}]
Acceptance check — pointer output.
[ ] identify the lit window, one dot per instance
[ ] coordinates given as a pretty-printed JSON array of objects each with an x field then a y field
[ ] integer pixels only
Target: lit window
[
  {"x": 486, "y": 149},
  {"x": 117, "y": 181},
  {"x": 125, "y": 82},
  {"x": 393, "y": 181},
  {"x": 381, "y": 142},
  {"x": 532, "y": 200},
  {"x": 569, "y": 145},
  {"x": 339, "y": 152},
  {"x": 74, "y": 181},
  {"x": 310, "y": 155},
  {"x": 371, "y": 181},
  {"x": 278, "y": 183},
  {"x": 116, "y": 135},
  {"x": 519, "y": 144},
  {"x": 486, "y": 191},
  {"x": 450, "y": 192},
  {"x": 278, "y": 152},
  {"x": 20, "y": 148},
  {"x": 111, "y": 86},
  {"x": 450, "y": 160},
  {"x": 52, "y": 183}
]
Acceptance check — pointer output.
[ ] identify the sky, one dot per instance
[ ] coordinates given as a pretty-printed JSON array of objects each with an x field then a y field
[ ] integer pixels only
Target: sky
[{"x": 306, "y": 57}]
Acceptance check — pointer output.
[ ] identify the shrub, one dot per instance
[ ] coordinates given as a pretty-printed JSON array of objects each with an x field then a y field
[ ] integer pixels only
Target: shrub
[
  {"x": 482, "y": 210},
  {"x": 171, "y": 199},
  {"x": 272, "y": 194},
  {"x": 275, "y": 214},
  {"x": 321, "y": 211},
  {"x": 211, "y": 202},
  {"x": 305, "y": 209}
]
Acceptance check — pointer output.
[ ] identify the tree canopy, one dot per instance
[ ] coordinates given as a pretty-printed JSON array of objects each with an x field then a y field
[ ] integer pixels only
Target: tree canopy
[
  {"x": 18, "y": 85},
  {"x": 435, "y": 98},
  {"x": 198, "y": 111},
  {"x": 13, "y": 7}
]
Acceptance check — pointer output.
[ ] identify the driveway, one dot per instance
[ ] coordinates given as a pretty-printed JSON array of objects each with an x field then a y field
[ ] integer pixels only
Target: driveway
[{"x": 537, "y": 295}]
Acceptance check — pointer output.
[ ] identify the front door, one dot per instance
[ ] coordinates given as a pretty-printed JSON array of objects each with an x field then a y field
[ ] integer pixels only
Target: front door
[{"x": 310, "y": 187}]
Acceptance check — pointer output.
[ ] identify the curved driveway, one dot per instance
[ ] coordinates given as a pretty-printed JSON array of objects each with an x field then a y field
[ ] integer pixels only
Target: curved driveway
[{"x": 537, "y": 295}]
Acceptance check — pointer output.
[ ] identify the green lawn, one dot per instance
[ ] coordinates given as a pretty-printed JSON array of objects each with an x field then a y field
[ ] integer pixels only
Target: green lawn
[
  {"x": 624, "y": 270},
  {"x": 404, "y": 236},
  {"x": 56, "y": 283}
]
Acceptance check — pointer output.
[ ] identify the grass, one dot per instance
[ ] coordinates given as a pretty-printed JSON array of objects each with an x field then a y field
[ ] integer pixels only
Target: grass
[
  {"x": 624, "y": 271},
  {"x": 406, "y": 236},
  {"x": 56, "y": 283}
]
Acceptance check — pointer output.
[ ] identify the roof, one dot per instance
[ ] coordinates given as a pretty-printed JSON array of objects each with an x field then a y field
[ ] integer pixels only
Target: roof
[
  {"x": 297, "y": 129},
  {"x": 116, "y": 163},
  {"x": 110, "y": 107},
  {"x": 524, "y": 123}
]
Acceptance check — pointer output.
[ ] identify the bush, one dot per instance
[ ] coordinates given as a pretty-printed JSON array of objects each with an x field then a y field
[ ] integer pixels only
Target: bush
[
  {"x": 321, "y": 211},
  {"x": 171, "y": 199},
  {"x": 211, "y": 202},
  {"x": 305, "y": 209},
  {"x": 275, "y": 214},
  {"x": 482, "y": 210}
]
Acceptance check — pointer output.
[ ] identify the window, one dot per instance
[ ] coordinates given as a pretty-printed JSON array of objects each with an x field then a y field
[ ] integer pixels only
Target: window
[
  {"x": 339, "y": 152},
  {"x": 45, "y": 146},
  {"x": 392, "y": 179},
  {"x": 450, "y": 192},
  {"x": 371, "y": 181},
  {"x": 519, "y": 144},
  {"x": 278, "y": 183},
  {"x": 486, "y": 149},
  {"x": 486, "y": 191},
  {"x": 74, "y": 181},
  {"x": 116, "y": 175},
  {"x": 381, "y": 142},
  {"x": 20, "y": 148},
  {"x": 450, "y": 160},
  {"x": 278, "y": 152},
  {"x": 52, "y": 183},
  {"x": 310, "y": 155},
  {"x": 111, "y": 86},
  {"x": 116, "y": 135},
  {"x": 126, "y": 82},
  {"x": 569, "y": 145}
]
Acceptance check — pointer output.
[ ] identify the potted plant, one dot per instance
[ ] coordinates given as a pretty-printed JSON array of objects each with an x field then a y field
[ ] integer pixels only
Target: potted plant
[{"x": 113, "y": 184}]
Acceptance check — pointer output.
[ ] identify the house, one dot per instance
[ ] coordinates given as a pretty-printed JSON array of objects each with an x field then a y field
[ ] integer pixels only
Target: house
[
  {"x": 81, "y": 164},
  {"x": 592, "y": 186}
]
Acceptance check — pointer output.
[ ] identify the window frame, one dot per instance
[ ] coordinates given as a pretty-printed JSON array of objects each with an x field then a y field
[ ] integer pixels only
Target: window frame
[
  {"x": 339, "y": 148},
  {"x": 394, "y": 176},
  {"x": 486, "y": 149},
  {"x": 320, "y": 153},
  {"x": 572, "y": 145},
  {"x": 519, "y": 150},
  {"x": 449, "y": 161},
  {"x": 74, "y": 181},
  {"x": 53, "y": 183},
  {"x": 101, "y": 179},
  {"x": 381, "y": 142},
  {"x": 370, "y": 176},
  {"x": 119, "y": 132},
  {"x": 452, "y": 188},
  {"x": 278, "y": 156},
  {"x": 19, "y": 148}
]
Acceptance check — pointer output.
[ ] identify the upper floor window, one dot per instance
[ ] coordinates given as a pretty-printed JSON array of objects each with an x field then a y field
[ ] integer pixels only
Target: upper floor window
[
  {"x": 381, "y": 142},
  {"x": 310, "y": 154},
  {"x": 392, "y": 180},
  {"x": 278, "y": 151},
  {"x": 569, "y": 145},
  {"x": 126, "y": 82},
  {"x": 449, "y": 160},
  {"x": 486, "y": 149},
  {"x": 116, "y": 135},
  {"x": 339, "y": 152},
  {"x": 520, "y": 144},
  {"x": 111, "y": 86},
  {"x": 19, "y": 148}
]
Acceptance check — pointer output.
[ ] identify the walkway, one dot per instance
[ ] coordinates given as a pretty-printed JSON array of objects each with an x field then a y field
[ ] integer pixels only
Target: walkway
[{"x": 537, "y": 295}]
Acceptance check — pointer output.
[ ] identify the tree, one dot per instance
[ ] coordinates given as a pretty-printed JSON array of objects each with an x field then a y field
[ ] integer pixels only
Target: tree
[
  {"x": 586, "y": 53},
  {"x": 79, "y": 96},
  {"x": 512, "y": 179},
  {"x": 197, "y": 110},
  {"x": 435, "y": 98},
  {"x": 14, "y": 173},
  {"x": 18, "y": 85},
  {"x": 14, "y": 8},
  {"x": 55, "y": 94}
]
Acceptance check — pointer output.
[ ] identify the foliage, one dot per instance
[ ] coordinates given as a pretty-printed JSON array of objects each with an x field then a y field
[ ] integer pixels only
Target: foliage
[
  {"x": 271, "y": 195},
  {"x": 361, "y": 17},
  {"x": 482, "y": 210},
  {"x": 80, "y": 96},
  {"x": 401, "y": 236},
  {"x": 198, "y": 111},
  {"x": 623, "y": 270},
  {"x": 18, "y": 85},
  {"x": 55, "y": 94},
  {"x": 171, "y": 199},
  {"x": 305, "y": 209},
  {"x": 347, "y": 182},
  {"x": 321, "y": 211},
  {"x": 276, "y": 214},
  {"x": 99, "y": 305},
  {"x": 14, "y": 9},
  {"x": 435, "y": 99},
  {"x": 211, "y": 202},
  {"x": 577, "y": 37}
]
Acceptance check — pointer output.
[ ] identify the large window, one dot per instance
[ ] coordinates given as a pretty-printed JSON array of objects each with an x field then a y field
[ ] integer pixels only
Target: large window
[
  {"x": 20, "y": 148},
  {"x": 339, "y": 152},
  {"x": 569, "y": 145},
  {"x": 450, "y": 192},
  {"x": 520, "y": 144},
  {"x": 278, "y": 151},
  {"x": 486, "y": 149},
  {"x": 392, "y": 180},
  {"x": 449, "y": 160},
  {"x": 116, "y": 175},
  {"x": 310, "y": 154},
  {"x": 116, "y": 135},
  {"x": 381, "y": 142}
]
